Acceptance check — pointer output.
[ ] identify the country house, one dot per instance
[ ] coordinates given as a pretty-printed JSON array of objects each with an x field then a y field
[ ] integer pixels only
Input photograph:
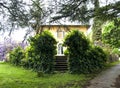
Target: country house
[{"x": 59, "y": 32}]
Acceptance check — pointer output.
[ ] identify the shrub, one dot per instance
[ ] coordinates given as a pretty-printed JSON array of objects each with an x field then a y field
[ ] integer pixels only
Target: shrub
[
  {"x": 116, "y": 51},
  {"x": 16, "y": 55},
  {"x": 77, "y": 44},
  {"x": 43, "y": 50},
  {"x": 83, "y": 58},
  {"x": 28, "y": 61},
  {"x": 66, "y": 52},
  {"x": 96, "y": 59}
]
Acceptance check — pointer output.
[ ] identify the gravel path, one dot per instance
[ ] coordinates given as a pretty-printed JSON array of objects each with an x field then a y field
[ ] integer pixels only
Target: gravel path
[{"x": 106, "y": 79}]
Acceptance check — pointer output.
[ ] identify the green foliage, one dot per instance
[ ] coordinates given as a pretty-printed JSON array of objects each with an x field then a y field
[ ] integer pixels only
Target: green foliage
[
  {"x": 66, "y": 52},
  {"x": 28, "y": 61},
  {"x": 116, "y": 51},
  {"x": 111, "y": 35},
  {"x": 82, "y": 57},
  {"x": 81, "y": 10},
  {"x": 97, "y": 30},
  {"x": 39, "y": 56},
  {"x": 41, "y": 52},
  {"x": 76, "y": 42},
  {"x": 22, "y": 14},
  {"x": 16, "y": 56},
  {"x": 95, "y": 60},
  {"x": 38, "y": 14}
]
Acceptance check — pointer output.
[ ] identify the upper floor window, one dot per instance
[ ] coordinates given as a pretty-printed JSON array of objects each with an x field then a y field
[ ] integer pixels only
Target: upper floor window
[{"x": 60, "y": 33}]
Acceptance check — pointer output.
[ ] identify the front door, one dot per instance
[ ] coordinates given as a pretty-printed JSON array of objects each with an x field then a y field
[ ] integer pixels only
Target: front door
[{"x": 60, "y": 49}]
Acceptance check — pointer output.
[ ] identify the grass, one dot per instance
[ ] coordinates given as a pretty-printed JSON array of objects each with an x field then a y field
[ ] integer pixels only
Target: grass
[
  {"x": 108, "y": 65},
  {"x": 17, "y": 77}
]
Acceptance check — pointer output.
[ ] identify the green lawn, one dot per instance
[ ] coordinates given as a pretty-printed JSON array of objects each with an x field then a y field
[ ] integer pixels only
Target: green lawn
[{"x": 17, "y": 77}]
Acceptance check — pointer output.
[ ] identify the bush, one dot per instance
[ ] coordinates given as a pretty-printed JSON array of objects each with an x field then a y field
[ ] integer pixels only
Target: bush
[
  {"x": 83, "y": 58},
  {"x": 112, "y": 54},
  {"x": 116, "y": 51},
  {"x": 66, "y": 52},
  {"x": 76, "y": 44},
  {"x": 42, "y": 52},
  {"x": 16, "y": 55},
  {"x": 28, "y": 61},
  {"x": 96, "y": 59}
]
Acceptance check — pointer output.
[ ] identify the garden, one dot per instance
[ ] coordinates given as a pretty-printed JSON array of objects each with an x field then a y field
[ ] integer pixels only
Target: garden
[{"x": 32, "y": 65}]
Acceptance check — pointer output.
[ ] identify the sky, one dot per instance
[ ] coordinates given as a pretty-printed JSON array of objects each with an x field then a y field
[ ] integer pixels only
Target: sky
[{"x": 17, "y": 35}]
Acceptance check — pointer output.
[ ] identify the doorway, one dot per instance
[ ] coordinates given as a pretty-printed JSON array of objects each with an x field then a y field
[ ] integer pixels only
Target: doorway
[{"x": 60, "y": 49}]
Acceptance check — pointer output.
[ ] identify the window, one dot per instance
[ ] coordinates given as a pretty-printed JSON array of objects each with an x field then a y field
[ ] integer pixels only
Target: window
[{"x": 60, "y": 33}]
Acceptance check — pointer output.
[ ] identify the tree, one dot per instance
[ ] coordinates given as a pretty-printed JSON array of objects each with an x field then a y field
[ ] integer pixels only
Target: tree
[
  {"x": 111, "y": 34},
  {"x": 96, "y": 29},
  {"x": 22, "y": 14},
  {"x": 84, "y": 10},
  {"x": 39, "y": 15},
  {"x": 13, "y": 12}
]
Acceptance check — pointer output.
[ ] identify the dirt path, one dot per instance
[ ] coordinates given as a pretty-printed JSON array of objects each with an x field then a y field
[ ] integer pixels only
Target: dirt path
[
  {"x": 107, "y": 79},
  {"x": 117, "y": 83}
]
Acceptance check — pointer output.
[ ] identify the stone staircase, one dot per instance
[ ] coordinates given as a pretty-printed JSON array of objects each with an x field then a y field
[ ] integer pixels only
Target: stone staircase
[{"x": 61, "y": 63}]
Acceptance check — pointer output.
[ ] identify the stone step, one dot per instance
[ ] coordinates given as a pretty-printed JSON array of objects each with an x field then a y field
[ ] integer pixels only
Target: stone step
[{"x": 61, "y": 63}]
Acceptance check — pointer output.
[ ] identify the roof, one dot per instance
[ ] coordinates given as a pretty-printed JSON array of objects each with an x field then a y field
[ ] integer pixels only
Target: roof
[{"x": 67, "y": 25}]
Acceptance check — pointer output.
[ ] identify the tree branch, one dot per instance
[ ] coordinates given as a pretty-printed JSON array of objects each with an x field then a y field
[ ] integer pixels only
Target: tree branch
[{"x": 1, "y": 4}]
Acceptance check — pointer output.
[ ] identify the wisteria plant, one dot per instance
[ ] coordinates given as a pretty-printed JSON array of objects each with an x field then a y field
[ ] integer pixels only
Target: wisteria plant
[{"x": 7, "y": 45}]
